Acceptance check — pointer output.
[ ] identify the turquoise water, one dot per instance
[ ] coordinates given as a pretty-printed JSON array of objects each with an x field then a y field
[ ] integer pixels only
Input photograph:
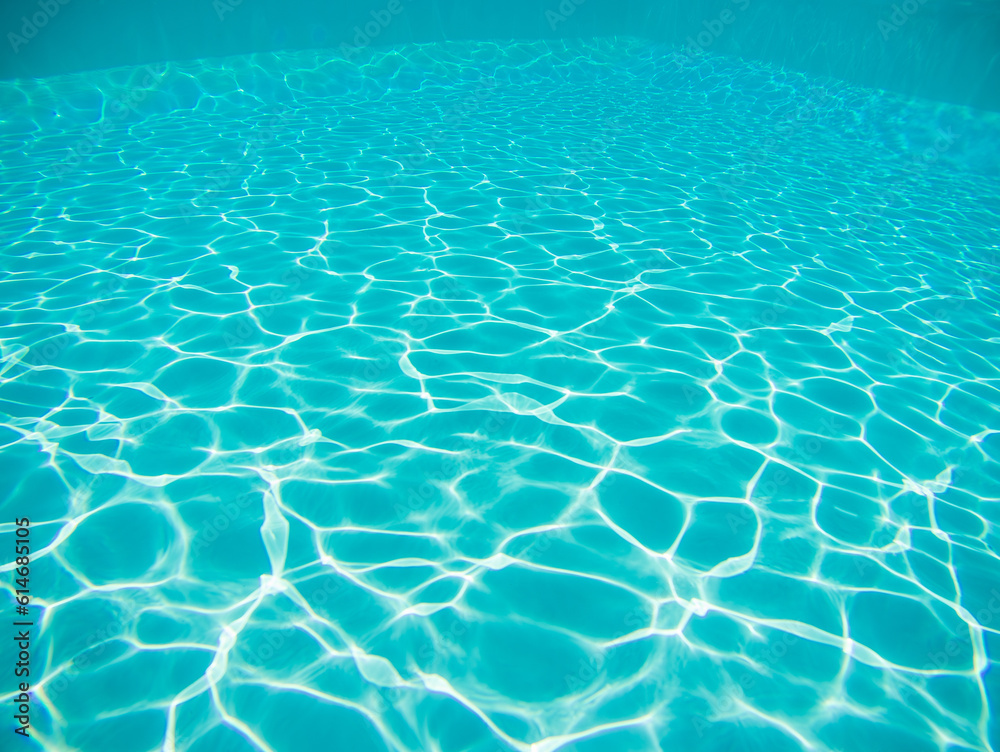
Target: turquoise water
[{"x": 527, "y": 396}]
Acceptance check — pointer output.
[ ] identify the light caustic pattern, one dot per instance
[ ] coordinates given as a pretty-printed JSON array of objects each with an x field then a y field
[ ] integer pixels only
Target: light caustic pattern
[{"x": 521, "y": 397}]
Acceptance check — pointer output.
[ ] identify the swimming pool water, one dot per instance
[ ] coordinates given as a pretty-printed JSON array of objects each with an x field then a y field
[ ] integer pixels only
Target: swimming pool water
[{"x": 470, "y": 396}]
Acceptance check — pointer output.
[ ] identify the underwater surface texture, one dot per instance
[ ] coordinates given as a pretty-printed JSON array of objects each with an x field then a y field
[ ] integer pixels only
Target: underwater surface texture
[{"x": 540, "y": 396}]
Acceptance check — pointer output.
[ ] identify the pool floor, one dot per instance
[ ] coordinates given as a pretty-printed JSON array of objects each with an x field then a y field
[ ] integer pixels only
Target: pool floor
[{"x": 570, "y": 396}]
